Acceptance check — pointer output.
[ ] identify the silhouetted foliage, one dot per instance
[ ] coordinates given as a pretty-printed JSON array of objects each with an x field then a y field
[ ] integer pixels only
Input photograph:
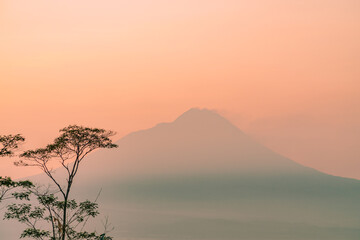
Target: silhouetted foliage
[
  {"x": 64, "y": 214},
  {"x": 49, "y": 212},
  {"x": 7, "y": 185},
  {"x": 9, "y": 143}
]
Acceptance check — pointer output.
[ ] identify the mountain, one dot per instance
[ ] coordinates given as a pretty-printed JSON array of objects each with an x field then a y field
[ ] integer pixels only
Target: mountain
[
  {"x": 200, "y": 177},
  {"x": 199, "y": 141}
]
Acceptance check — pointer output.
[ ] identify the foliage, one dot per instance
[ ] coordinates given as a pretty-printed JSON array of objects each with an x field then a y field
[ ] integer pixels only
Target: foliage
[
  {"x": 49, "y": 212},
  {"x": 8, "y": 144},
  {"x": 63, "y": 214},
  {"x": 7, "y": 185}
]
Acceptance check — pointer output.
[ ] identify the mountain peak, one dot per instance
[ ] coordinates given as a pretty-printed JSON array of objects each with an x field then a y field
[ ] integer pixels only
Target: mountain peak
[
  {"x": 198, "y": 111},
  {"x": 205, "y": 120},
  {"x": 196, "y": 115}
]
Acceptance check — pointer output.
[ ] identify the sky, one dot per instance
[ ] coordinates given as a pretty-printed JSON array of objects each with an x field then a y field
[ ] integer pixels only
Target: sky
[{"x": 286, "y": 72}]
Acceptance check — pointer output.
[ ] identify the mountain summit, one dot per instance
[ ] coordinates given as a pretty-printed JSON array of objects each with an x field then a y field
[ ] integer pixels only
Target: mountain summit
[{"x": 197, "y": 115}]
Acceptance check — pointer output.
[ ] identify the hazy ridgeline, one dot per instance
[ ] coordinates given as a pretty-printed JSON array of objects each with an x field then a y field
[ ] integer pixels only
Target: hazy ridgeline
[{"x": 200, "y": 177}]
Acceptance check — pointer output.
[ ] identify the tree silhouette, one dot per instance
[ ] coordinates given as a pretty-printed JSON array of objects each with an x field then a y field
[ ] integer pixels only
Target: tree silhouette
[{"x": 64, "y": 214}]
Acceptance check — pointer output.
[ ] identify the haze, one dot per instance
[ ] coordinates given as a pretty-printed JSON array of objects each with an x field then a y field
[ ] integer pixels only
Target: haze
[{"x": 285, "y": 71}]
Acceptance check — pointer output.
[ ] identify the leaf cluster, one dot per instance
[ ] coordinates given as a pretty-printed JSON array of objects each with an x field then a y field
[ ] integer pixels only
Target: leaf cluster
[
  {"x": 7, "y": 185},
  {"x": 8, "y": 143},
  {"x": 44, "y": 220}
]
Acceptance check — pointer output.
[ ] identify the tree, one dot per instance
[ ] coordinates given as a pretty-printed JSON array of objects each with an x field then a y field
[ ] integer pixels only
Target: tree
[
  {"x": 9, "y": 143},
  {"x": 64, "y": 214}
]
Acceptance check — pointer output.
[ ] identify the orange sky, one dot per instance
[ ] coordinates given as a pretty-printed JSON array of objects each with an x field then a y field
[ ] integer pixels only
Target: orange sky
[{"x": 284, "y": 71}]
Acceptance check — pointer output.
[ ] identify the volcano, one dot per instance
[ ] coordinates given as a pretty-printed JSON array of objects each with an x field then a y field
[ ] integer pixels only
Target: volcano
[{"x": 199, "y": 141}]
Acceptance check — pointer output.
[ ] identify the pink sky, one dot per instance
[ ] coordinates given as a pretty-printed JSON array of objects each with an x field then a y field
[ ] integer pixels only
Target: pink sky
[{"x": 284, "y": 71}]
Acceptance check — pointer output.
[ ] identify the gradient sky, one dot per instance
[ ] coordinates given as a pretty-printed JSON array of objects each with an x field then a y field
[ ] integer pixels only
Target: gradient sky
[{"x": 284, "y": 71}]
